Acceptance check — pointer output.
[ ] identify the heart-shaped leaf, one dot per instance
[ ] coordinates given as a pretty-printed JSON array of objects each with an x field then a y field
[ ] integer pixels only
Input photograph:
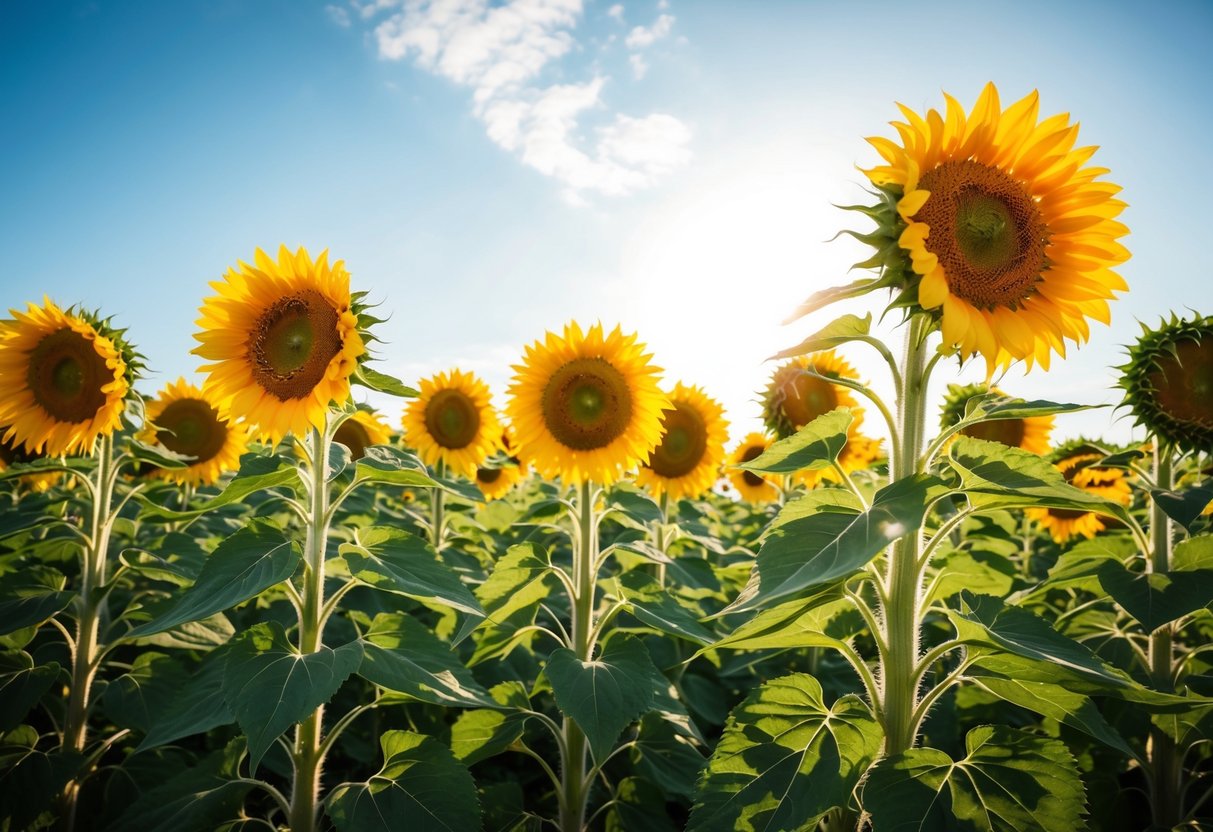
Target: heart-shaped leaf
[
  {"x": 813, "y": 447},
  {"x": 400, "y": 654},
  {"x": 1157, "y": 598}
]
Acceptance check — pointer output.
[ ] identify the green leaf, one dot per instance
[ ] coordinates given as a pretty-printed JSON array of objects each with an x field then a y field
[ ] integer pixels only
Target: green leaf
[
  {"x": 421, "y": 786},
  {"x": 1010, "y": 781},
  {"x": 199, "y": 799},
  {"x": 257, "y": 473},
  {"x": 990, "y": 407},
  {"x": 821, "y": 621},
  {"x": 653, "y": 605},
  {"x": 157, "y": 455},
  {"x": 813, "y": 447},
  {"x": 825, "y": 297},
  {"x": 522, "y": 578},
  {"x": 246, "y": 564},
  {"x": 195, "y": 708},
  {"x": 1184, "y": 506},
  {"x": 639, "y": 806},
  {"x": 830, "y": 546},
  {"x": 17, "y": 612},
  {"x": 666, "y": 757},
  {"x": 636, "y": 504},
  {"x": 958, "y": 570},
  {"x": 785, "y": 759},
  {"x": 604, "y": 695},
  {"x": 400, "y": 654},
  {"x": 131, "y": 699},
  {"x": 382, "y": 382},
  {"x": 837, "y": 332},
  {"x": 270, "y": 686},
  {"x": 22, "y": 685},
  {"x": 1157, "y": 598},
  {"x": 480, "y": 734},
  {"x": 385, "y": 465},
  {"x": 1056, "y": 702},
  {"x": 1193, "y": 553}
]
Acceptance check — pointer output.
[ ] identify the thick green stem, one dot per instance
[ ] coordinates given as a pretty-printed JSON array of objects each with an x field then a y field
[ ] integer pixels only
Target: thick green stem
[
  {"x": 306, "y": 754},
  {"x": 574, "y": 781},
  {"x": 1166, "y": 766},
  {"x": 437, "y": 518},
  {"x": 903, "y": 585},
  {"x": 661, "y": 536}
]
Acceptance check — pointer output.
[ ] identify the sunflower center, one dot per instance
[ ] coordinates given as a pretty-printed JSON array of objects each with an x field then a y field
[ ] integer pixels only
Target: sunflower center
[
  {"x": 587, "y": 404},
  {"x": 986, "y": 230},
  {"x": 452, "y": 419},
  {"x": 191, "y": 427},
  {"x": 803, "y": 397},
  {"x": 293, "y": 342},
  {"x": 488, "y": 476},
  {"x": 752, "y": 452},
  {"x": 66, "y": 376},
  {"x": 682, "y": 444},
  {"x": 1183, "y": 382},
  {"x": 353, "y": 436},
  {"x": 1009, "y": 432}
]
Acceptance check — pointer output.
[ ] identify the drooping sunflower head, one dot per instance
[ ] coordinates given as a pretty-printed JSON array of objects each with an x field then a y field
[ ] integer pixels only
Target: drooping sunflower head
[
  {"x": 362, "y": 430},
  {"x": 186, "y": 422},
  {"x": 283, "y": 340},
  {"x": 586, "y": 405},
  {"x": 1030, "y": 434},
  {"x": 1168, "y": 382},
  {"x": 687, "y": 460},
  {"x": 453, "y": 420},
  {"x": 796, "y": 396},
  {"x": 1009, "y": 235},
  {"x": 64, "y": 378},
  {"x": 497, "y": 476},
  {"x": 1078, "y": 461},
  {"x": 754, "y": 488}
]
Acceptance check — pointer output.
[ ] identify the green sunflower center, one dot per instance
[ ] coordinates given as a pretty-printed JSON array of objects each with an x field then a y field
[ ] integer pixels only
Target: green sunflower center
[
  {"x": 587, "y": 404},
  {"x": 353, "y": 436},
  {"x": 1183, "y": 382},
  {"x": 292, "y": 344},
  {"x": 191, "y": 427},
  {"x": 986, "y": 230},
  {"x": 1009, "y": 432},
  {"x": 752, "y": 452},
  {"x": 683, "y": 443},
  {"x": 452, "y": 419},
  {"x": 66, "y": 375}
]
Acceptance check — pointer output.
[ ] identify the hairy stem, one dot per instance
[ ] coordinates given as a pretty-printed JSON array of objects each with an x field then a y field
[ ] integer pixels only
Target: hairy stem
[
  {"x": 1166, "y": 766},
  {"x": 575, "y": 781}
]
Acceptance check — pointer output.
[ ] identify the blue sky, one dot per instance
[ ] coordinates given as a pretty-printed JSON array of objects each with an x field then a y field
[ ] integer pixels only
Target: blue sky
[{"x": 492, "y": 170}]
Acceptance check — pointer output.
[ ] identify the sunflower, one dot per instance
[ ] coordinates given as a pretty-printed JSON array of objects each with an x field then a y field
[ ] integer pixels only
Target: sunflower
[
  {"x": 64, "y": 376},
  {"x": 688, "y": 459},
  {"x": 183, "y": 420},
  {"x": 1008, "y": 233},
  {"x": 283, "y": 338},
  {"x": 495, "y": 481},
  {"x": 586, "y": 405},
  {"x": 794, "y": 398},
  {"x": 859, "y": 453},
  {"x": 1030, "y": 434},
  {"x": 752, "y": 487},
  {"x": 453, "y": 421},
  {"x": 1077, "y": 462},
  {"x": 362, "y": 430},
  {"x": 1168, "y": 382}
]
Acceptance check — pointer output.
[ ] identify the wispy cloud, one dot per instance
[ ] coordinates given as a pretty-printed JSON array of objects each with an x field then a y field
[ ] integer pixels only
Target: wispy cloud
[
  {"x": 500, "y": 51},
  {"x": 642, "y": 37}
]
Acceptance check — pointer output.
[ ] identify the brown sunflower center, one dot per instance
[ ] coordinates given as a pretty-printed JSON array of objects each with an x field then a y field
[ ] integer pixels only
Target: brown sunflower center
[
  {"x": 752, "y": 452},
  {"x": 353, "y": 436},
  {"x": 1009, "y": 432},
  {"x": 1067, "y": 513},
  {"x": 292, "y": 344},
  {"x": 587, "y": 404},
  {"x": 683, "y": 443},
  {"x": 191, "y": 427},
  {"x": 488, "y": 476},
  {"x": 1183, "y": 382},
  {"x": 66, "y": 375},
  {"x": 986, "y": 230},
  {"x": 452, "y": 419}
]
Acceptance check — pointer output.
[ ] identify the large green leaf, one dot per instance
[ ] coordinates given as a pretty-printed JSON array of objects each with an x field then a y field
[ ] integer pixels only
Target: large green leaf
[
  {"x": 1157, "y": 598},
  {"x": 825, "y": 620},
  {"x": 813, "y": 447},
  {"x": 421, "y": 786},
  {"x": 270, "y": 686},
  {"x": 666, "y": 757},
  {"x": 246, "y": 564},
  {"x": 381, "y": 382},
  {"x": 604, "y": 694},
  {"x": 1056, "y": 702},
  {"x": 990, "y": 407},
  {"x": 1010, "y": 781},
  {"x": 655, "y": 606},
  {"x": 837, "y": 332},
  {"x": 512, "y": 593},
  {"x": 132, "y": 698},
  {"x": 400, "y": 654},
  {"x": 197, "y": 706},
  {"x": 1193, "y": 553},
  {"x": 385, "y": 465},
  {"x": 785, "y": 759},
  {"x": 830, "y": 546},
  {"x": 22, "y": 610},
  {"x": 22, "y": 685},
  {"x": 257, "y": 473},
  {"x": 483, "y": 733},
  {"x": 199, "y": 799},
  {"x": 1184, "y": 506},
  {"x": 824, "y": 297}
]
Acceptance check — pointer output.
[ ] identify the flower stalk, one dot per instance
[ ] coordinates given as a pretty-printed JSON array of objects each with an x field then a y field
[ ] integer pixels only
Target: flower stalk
[
  {"x": 574, "y": 781},
  {"x": 1166, "y": 764}
]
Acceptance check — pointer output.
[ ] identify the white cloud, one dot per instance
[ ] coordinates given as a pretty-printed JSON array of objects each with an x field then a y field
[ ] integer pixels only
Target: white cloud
[
  {"x": 639, "y": 65},
  {"x": 642, "y": 37},
  {"x": 499, "y": 51},
  {"x": 616, "y": 11},
  {"x": 339, "y": 15}
]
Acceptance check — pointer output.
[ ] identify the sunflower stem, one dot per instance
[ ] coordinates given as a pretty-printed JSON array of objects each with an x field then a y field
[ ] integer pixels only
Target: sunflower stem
[
  {"x": 437, "y": 518},
  {"x": 574, "y": 779},
  {"x": 661, "y": 535},
  {"x": 306, "y": 752}
]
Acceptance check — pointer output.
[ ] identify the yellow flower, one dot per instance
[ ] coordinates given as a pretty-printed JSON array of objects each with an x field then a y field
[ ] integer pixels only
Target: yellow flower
[
  {"x": 1030, "y": 434},
  {"x": 361, "y": 431},
  {"x": 1076, "y": 463},
  {"x": 183, "y": 420},
  {"x": 63, "y": 380},
  {"x": 586, "y": 405},
  {"x": 283, "y": 340},
  {"x": 794, "y": 398},
  {"x": 453, "y": 420},
  {"x": 1013, "y": 236},
  {"x": 688, "y": 459},
  {"x": 495, "y": 481},
  {"x": 752, "y": 487}
]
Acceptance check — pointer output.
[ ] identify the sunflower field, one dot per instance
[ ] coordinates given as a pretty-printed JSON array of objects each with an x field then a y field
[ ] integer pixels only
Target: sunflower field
[{"x": 255, "y": 604}]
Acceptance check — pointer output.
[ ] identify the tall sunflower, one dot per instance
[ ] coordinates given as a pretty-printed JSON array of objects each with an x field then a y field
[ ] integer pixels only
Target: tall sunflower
[
  {"x": 586, "y": 405},
  {"x": 64, "y": 375},
  {"x": 1009, "y": 234},
  {"x": 453, "y": 420},
  {"x": 283, "y": 340},
  {"x": 794, "y": 398},
  {"x": 496, "y": 480},
  {"x": 687, "y": 461},
  {"x": 1030, "y": 434},
  {"x": 1168, "y": 382},
  {"x": 184, "y": 420},
  {"x": 361, "y": 431},
  {"x": 1077, "y": 462},
  {"x": 754, "y": 488}
]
